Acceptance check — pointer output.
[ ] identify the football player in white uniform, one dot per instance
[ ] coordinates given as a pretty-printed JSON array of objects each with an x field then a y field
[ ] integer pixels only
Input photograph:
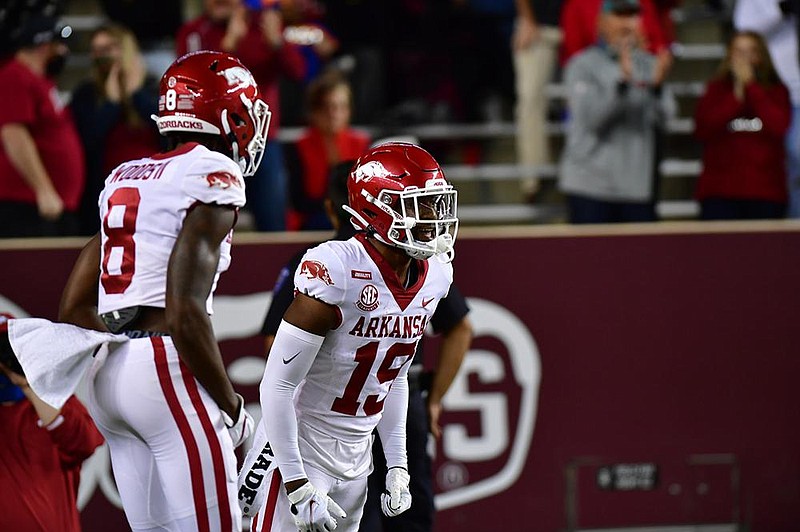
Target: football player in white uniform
[
  {"x": 163, "y": 399},
  {"x": 338, "y": 366}
]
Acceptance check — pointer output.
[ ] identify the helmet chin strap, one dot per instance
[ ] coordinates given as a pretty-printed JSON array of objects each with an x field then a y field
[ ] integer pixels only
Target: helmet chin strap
[
  {"x": 226, "y": 127},
  {"x": 444, "y": 248}
]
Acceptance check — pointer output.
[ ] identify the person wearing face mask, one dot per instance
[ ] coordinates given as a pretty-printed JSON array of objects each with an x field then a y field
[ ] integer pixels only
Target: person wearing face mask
[
  {"x": 41, "y": 161},
  {"x": 112, "y": 112}
]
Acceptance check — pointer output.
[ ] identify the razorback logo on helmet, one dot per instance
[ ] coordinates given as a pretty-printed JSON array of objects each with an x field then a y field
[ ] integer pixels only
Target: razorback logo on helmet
[
  {"x": 223, "y": 180},
  {"x": 238, "y": 77},
  {"x": 314, "y": 269},
  {"x": 367, "y": 171}
]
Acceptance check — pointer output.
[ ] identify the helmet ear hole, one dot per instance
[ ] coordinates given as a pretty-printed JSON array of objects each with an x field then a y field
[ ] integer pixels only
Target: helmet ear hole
[{"x": 238, "y": 120}]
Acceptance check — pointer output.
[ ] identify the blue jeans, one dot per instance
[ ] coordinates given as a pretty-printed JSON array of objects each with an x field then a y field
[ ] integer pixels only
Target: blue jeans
[
  {"x": 740, "y": 209},
  {"x": 266, "y": 190}
]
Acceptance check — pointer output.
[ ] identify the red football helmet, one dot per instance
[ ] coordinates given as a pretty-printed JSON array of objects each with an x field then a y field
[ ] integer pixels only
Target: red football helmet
[
  {"x": 398, "y": 193},
  {"x": 212, "y": 92}
]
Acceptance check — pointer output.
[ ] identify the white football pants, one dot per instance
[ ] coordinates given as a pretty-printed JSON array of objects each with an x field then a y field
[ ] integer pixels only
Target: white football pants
[{"x": 172, "y": 457}]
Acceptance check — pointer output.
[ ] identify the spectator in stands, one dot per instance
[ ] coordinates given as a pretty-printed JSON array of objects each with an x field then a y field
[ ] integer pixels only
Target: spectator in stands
[
  {"x": 112, "y": 111},
  {"x": 535, "y": 43},
  {"x": 41, "y": 453},
  {"x": 154, "y": 23},
  {"x": 41, "y": 161},
  {"x": 304, "y": 29},
  {"x": 608, "y": 164},
  {"x": 777, "y": 23},
  {"x": 579, "y": 22},
  {"x": 742, "y": 120},
  {"x": 255, "y": 36},
  {"x": 324, "y": 144}
]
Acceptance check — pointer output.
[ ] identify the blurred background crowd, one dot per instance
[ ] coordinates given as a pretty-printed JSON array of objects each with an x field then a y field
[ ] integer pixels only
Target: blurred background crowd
[{"x": 584, "y": 111}]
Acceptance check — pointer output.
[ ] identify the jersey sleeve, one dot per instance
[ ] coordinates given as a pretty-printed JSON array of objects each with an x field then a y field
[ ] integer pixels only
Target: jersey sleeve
[
  {"x": 321, "y": 275},
  {"x": 214, "y": 178}
]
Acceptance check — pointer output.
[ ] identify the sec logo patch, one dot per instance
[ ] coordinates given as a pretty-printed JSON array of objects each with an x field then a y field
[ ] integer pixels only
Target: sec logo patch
[{"x": 368, "y": 299}]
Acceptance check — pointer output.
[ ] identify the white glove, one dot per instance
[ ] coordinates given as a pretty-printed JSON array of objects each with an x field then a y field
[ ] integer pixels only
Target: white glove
[
  {"x": 242, "y": 427},
  {"x": 313, "y": 510},
  {"x": 397, "y": 497}
]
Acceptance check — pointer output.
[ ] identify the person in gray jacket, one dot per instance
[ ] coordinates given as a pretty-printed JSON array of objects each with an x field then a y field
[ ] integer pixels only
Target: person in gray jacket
[{"x": 608, "y": 166}]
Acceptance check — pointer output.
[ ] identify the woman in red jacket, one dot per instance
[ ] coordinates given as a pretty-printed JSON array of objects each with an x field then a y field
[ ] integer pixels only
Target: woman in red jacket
[
  {"x": 742, "y": 120},
  {"x": 325, "y": 143}
]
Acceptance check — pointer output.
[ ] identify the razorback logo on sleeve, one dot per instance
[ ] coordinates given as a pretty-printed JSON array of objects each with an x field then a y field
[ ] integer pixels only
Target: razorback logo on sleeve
[
  {"x": 314, "y": 269},
  {"x": 223, "y": 180}
]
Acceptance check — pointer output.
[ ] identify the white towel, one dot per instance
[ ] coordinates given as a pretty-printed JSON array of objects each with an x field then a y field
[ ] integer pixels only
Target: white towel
[
  {"x": 258, "y": 463},
  {"x": 55, "y": 356}
]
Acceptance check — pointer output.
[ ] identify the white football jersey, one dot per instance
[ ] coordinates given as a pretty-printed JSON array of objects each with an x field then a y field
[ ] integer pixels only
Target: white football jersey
[
  {"x": 341, "y": 399},
  {"x": 142, "y": 209}
]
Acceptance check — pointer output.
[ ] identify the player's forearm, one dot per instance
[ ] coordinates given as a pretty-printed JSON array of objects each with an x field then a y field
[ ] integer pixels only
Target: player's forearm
[
  {"x": 454, "y": 346},
  {"x": 191, "y": 331},
  {"x": 293, "y": 352},
  {"x": 24, "y": 157},
  {"x": 79, "y": 300},
  {"x": 392, "y": 426},
  {"x": 280, "y": 420}
]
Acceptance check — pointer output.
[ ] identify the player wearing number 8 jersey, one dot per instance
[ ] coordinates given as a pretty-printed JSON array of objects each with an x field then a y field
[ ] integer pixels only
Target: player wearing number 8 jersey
[
  {"x": 339, "y": 363},
  {"x": 163, "y": 399}
]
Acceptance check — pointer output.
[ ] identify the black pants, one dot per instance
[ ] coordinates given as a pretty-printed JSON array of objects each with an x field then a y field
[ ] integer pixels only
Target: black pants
[
  {"x": 418, "y": 518},
  {"x": 584, "y": 210},
  {"x": 741, "y": 209},
  {"x": 22, "y": 220}
]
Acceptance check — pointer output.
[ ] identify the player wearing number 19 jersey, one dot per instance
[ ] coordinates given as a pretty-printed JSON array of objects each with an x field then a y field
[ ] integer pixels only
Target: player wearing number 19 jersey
[
  {"x": 338, "y": 366},
  {"x": 163, "y": 400}
]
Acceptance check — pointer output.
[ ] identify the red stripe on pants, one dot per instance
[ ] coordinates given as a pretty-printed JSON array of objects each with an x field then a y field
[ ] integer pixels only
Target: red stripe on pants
[
  {"x": 213, "y": 444},
  {"x": 272, "y": 498},
  {"x": 189, "y": 443}
]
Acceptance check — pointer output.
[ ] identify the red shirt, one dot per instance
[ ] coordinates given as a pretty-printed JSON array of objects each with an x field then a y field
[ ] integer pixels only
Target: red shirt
[
  {"x": 743, "y": 142},
  {"x": 32, "y": 100},
  {"x": 266, "y": 63},
  {"x": 40, "y": 468},
  {"x": 350, "y": 144},
  {"x": 579, "y": 22}
]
